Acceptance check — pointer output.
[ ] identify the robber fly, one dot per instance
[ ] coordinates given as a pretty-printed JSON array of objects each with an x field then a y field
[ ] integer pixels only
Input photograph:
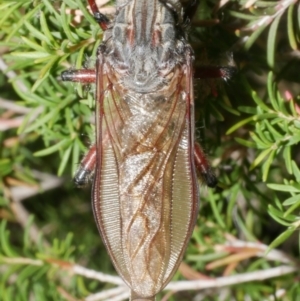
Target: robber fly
[{"x": 144, "y": 160}]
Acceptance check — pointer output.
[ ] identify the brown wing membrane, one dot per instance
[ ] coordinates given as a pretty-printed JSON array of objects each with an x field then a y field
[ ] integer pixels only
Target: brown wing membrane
[{"x": 145, "y": 194}]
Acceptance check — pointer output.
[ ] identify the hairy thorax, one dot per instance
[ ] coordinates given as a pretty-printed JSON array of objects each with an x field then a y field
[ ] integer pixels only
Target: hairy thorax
[{"x": 143, "y": 46}]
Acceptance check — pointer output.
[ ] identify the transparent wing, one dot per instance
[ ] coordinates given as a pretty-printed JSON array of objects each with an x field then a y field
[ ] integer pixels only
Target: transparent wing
[{"x": 145, "y": 192}]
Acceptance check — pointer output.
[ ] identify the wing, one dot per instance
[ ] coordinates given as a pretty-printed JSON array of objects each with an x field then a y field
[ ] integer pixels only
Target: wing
[{"x": 145, "y": 195}]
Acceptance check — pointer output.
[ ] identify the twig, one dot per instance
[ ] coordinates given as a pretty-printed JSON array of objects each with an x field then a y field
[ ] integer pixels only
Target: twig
[
  {"x": 22, "y": 217},
  {"x": 80, "y": 270},
  {"x": 7, "y": 124},
  {"x": 121, "y": 297},
  {"x": 65, "y": 294},
  {"x": 175, "y": 286},
  {"x": 231, "y": 280},
  {"x": 274, "y": 255},
  {"x": 48, "y": 182},
  {"x": 197, "y": 284},
  {"x": 109, "y": 294},
  {"x": 11, "y": 74},
  {"x": 18, "y": 194},
  {"x": 10, "y": 105}
]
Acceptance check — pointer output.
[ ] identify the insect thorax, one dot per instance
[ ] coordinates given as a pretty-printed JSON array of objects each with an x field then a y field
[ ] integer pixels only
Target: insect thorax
[{"x": 144, "y": 45}]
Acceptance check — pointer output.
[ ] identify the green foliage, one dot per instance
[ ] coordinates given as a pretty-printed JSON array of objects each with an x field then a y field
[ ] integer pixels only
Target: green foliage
[
  {"x": 249, "y": 126},
  {"x": 31, "y": 263}
]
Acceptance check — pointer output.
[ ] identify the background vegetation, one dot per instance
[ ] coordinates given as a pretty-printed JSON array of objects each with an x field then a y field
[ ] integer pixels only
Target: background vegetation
[{"x": 249, "y": 125}]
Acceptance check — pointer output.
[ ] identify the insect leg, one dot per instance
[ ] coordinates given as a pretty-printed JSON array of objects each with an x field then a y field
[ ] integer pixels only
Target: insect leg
[
  {"x": 100, "y": 18},
  {"x": 203, "y": 166},
  {"x": 214, "y": 72},
  {"x": 86, "y": 169},
  {"x": 190, "y": 10},
  {"x": 87, "y": 165},
  {"x": 223, "y": 72},
  {"x": 83, "y": 76}
]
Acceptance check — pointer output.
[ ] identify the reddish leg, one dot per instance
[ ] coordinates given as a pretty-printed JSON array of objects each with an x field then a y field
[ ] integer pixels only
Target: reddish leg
[
  {"x": 100, "y": 18},
  {"x": 203, "y": 166},
  {"x": 86, "y": 76},
  {"x": 224, "y": 72},
  {"x": 202, "y": 72},
  {"x": 86, "y": 169},
  {"x": 201, "y": 162},
  {"x": 214, "y": 72},
  {"x": 87, "y": 165},
  {"x": 83, "y": 76}
]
